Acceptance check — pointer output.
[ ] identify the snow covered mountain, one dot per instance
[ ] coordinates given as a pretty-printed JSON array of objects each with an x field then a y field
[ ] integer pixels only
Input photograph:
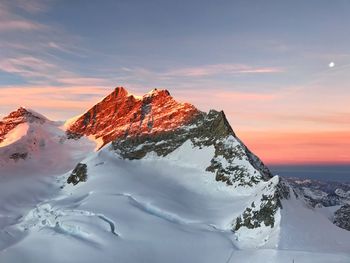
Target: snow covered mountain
[
  {"x": 165, "y": 183},
  {"x": 333, "y": 196},
  {"x": 33, "y": 143}
]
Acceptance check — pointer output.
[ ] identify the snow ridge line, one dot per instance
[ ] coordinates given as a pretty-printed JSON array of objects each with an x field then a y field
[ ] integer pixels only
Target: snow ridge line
[
  {"x": 155, "y": 211},
  {"x": 110, "y": 222}
]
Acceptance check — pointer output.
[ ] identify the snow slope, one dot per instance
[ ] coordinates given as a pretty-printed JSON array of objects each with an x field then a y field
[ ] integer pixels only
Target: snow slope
[
  {"x": 160, "y": 210},
  {"x": 15, "y": 134},
  {"x": 32, "y": 155}
]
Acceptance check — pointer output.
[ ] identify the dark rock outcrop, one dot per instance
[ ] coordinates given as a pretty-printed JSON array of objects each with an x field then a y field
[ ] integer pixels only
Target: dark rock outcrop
[
  {"x": 79, "y": 174},
  {"x": 342, "y": 217},
  {"x": 17, "y": 156},
  {"x": 254, "y": 216}
]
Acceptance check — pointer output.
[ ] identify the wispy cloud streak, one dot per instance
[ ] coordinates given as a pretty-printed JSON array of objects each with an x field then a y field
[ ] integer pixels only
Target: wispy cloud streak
[
  {"x": 11, "y": 21},
  {"x": 220, "y": 69},
  {"x": 201, "y": 71}
]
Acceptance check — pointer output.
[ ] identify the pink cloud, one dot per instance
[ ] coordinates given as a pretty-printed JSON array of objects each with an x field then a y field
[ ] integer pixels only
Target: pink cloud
[
  {"x": 22, "y": 25},
  {"x": 79, "y": 81},
  {"x": 27, "y": 66},
  {"x": 52, "y": 100},
  {"x": 10, "y": 21},
  {"x": 32, "y": 6},
  {"x": 39, "y": 71},
  {"x": 211, "y": 70}
]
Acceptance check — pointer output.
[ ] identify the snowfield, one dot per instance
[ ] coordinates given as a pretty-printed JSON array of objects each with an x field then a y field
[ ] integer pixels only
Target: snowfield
[{"x": 150, "y": 210}]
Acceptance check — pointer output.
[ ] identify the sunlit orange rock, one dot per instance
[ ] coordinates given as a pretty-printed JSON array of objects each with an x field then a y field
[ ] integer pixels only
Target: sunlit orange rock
[{"x": 121, "y": 114}]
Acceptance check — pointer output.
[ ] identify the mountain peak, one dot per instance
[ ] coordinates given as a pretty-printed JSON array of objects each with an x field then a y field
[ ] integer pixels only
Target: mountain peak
[
  {"x": 121, "y": 92},
  {"x": 159, "y": 92},
  {"x": 23, "y": 114},
  {"x": 17, "y": 117},
  {"x": 20, "y": 112},
  {"x": 122, "y": 114}
]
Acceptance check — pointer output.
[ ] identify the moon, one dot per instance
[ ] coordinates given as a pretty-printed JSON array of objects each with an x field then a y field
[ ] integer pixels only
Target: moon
[{"x": 331, "y": 64}]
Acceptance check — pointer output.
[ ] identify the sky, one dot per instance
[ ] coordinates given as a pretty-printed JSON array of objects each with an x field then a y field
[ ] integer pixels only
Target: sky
[{"x": 279, "y": 69}]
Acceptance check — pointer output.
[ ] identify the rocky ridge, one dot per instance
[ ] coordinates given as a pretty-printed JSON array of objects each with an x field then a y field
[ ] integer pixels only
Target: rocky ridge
[{"x": 121, "y": 114}]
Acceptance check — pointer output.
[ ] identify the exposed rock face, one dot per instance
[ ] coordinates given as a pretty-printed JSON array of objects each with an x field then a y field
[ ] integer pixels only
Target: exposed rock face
[
  {"x": 253, "y": 218},
  {"x": 342, "y": 217},
  {"x": 121, "y": 114},
  {"x": 263, "y": 212},
  {"x": 79, "y": 174},
  {"x": 204, "y": 130},
  {"x": 15, "y": 118}
]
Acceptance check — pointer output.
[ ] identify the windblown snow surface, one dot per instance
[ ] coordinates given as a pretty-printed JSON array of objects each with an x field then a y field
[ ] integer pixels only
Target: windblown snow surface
[{"x": 157, "y": 209}]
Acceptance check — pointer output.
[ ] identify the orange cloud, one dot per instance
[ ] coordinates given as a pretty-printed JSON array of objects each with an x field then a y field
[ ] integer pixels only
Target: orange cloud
[{"x": 299, "y": 148}]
